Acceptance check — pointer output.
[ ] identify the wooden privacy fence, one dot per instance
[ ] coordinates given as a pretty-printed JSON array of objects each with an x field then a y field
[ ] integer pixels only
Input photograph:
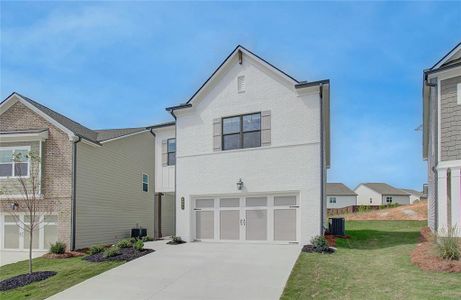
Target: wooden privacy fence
[{"x": 356, "y": 208}]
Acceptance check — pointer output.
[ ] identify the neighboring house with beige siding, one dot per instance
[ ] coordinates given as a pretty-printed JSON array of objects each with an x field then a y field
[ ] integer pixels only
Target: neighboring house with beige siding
[
  {"x": 442, "y": 140},
  {"x": 100, "y": 183},
  {"x": 339, "y": 195}
]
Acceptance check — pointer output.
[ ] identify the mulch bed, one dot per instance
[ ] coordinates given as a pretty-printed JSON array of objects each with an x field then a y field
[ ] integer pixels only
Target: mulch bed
[
  {"x": 24, "y": 279},
  {"x": 126, "y": 254},
  {"x": 425, "y": 256},
  {"x": 64, "y": 255},
  {"x": 311, "y": 249},
  {"x": 176, "y": 242}
]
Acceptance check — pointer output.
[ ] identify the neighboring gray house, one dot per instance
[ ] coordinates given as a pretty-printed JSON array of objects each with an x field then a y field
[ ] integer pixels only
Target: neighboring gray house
[
  {"x": 414, "y": 195},
  {"x": 99, "y": 183},
  {"x": 339, "y": 196},
  {"x": 380, "y": 194},
  {"x": 442, "y": 140}
]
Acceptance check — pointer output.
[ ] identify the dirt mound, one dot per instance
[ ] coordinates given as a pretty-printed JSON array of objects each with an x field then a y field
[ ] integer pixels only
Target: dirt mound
[
  {"x": 64, "y": 255},
  {"x": 417, "y": 211},
  {"x": 425, "y": 257}
]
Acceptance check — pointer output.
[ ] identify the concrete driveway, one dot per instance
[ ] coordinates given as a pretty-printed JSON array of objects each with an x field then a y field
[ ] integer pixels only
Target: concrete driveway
[{"x": 195, "y": 271}]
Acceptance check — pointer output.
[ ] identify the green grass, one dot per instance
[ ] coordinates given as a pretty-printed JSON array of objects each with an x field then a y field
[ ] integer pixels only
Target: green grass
[
  {"x": 70, "y": 271},
  {"x": 373, "y": 264}
]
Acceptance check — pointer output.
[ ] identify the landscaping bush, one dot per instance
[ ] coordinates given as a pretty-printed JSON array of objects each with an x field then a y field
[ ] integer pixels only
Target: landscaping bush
[
  {"x": 138, "y": 245},
  {"x": 111, "y": 252},
  {"x": 124, "y": 243},
  {"x": 448, "y": 244},
  {"x": 96, "y": 249},
  {"x": 176, "y": 240},
  {"x": 58, "y": 248},
  {"x": 320, "y": 244},
  {"x": 147, "y": 239}
]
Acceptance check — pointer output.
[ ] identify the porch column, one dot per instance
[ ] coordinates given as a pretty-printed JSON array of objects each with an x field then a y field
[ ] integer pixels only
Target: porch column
[
  {"x": 456, "y": 198},
  {"x": 442, "y": 212}
]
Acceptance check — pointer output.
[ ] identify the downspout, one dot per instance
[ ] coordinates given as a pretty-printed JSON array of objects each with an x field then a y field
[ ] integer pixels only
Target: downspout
[
  {"x": 322, "y": 179},
  {"x": 76, "y": 140},
  {"x": 153, "y": 134},
  {"x": 176, "y": 166},
  {"x": 436, "y": 140}
]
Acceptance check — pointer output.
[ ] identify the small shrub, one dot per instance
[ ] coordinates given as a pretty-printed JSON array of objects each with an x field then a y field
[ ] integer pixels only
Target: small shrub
[
  {"x": 96, "y": 249},
  {"x": 58, "y": 248},
  {"x": 138, "y": 245},
  {"x": 111, "y": 252},
  {"x": 177, "y": 239},
  {"x": 362, "y": 208},
  {"x": 448, "y": 244},
  {"x": 319, "y": 243},
  {"x": 147, "y": 239},
  {"x": 124, "y": 243}
]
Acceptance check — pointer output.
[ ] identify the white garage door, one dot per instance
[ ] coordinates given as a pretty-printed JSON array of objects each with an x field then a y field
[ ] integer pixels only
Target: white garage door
[{"x": 267, "y": 218}]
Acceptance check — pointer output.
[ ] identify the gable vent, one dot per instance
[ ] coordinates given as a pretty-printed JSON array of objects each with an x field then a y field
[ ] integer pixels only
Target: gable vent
[{"x": 241, "y": 84}]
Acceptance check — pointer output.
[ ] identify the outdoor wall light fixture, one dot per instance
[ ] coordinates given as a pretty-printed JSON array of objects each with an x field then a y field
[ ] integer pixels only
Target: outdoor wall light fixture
[
  {"x": 240, "y": 184},
  {"x": 14, "y": 206}
]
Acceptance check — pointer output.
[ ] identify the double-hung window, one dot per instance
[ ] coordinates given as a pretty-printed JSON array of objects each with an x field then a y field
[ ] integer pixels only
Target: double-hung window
[
  {"x": 171, "y": 149},
  {"x": 242, "y": 131},
  {"x": 145, "y": 182},
  {"x": 14, "y": 162}
]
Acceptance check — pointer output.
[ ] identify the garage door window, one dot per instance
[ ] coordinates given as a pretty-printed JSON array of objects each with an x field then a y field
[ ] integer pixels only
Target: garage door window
[
  {"x": 229, "y": 202},
  {"x": 284, "y": 200},
  {"x": 256, "y": 201}
]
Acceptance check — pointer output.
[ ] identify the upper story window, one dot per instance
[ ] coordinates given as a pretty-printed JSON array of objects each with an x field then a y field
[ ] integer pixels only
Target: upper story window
[
  {"x": 171, "y": 150},
  {"x": 14, "y": 162},
  {"x": 145, "y": 182},
  {"x": 242, "y": 131}
]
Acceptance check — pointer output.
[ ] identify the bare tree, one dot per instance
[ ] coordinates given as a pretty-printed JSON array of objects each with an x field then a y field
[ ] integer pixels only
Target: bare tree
[{"x": 24, "y": 196}]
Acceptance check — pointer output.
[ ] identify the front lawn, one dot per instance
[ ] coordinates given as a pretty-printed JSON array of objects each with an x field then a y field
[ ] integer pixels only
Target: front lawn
[
  {"x": 373, "y": 264},
  {"x": 70, "y": 271}
]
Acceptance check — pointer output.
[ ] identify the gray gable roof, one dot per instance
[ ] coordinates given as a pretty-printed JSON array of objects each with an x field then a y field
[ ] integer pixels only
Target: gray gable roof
[
  {"x": 339, "y": 189},
  {"x": 80, "y": 130},
  {"x": 414, "y": 192},
  {"x": 385, "y": 189},
  {"x": 73, "y": 126},
  {"x": 108, "y": 134}
]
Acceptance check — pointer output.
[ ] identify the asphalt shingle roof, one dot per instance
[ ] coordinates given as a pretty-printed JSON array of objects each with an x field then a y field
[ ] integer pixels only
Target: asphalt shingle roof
[
  {"x": 80, "y": 130},
  {"x": 385, "y": 189},
  {"x": 339, "y": 189}
]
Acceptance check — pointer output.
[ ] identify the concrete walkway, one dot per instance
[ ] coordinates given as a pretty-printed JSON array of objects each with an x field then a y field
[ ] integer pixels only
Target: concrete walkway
[{"x": 195, "y": 271}]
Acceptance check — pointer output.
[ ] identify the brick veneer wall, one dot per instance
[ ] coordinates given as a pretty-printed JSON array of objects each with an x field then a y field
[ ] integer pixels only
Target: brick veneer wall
[{"x": 57, "y": 165}]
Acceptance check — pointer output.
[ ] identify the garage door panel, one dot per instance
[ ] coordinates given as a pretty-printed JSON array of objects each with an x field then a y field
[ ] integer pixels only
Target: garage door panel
[
  {"x": 285, "y": 225},
  {"x": 256, "y": 225},
  {"x": 230, "y": 225},
  {"x": 205, "y": 224}
]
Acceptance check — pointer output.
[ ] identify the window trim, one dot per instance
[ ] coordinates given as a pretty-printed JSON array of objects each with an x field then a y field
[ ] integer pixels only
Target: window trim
[
  {"x": 13, "y": 162},
  {"x": 168, "y": 152},
  {"x": 241, "y": 132},
  {"x": 145, "y": 183}
]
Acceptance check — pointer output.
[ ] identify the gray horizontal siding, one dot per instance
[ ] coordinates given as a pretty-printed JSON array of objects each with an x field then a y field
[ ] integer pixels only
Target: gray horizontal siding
[
  {"x": 109, "y": 199},
  {"x": 450, "y": 120}
]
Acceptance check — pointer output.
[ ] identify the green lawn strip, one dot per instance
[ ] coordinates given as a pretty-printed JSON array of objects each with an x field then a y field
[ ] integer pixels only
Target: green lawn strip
[
  {"x": 373, "y": 264},
  {"x": 70, "y": 271}
]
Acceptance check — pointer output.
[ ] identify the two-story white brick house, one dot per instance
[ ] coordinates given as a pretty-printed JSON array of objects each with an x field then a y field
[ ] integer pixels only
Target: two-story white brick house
[
  {"x": 442, "y": 140},
  {"x": 252, "y": 150}
]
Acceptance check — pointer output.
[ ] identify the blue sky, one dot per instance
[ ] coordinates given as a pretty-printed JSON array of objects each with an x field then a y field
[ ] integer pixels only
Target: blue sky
[{"x": 115, "y": 64}]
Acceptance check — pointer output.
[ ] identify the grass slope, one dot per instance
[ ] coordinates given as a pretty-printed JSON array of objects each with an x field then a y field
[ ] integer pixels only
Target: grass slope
[
  {"x": 70, "y": 272},
  {"x": 373, "y": 264}
]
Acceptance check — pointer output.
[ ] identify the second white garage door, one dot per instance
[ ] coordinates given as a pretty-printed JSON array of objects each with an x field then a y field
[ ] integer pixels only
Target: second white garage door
[{"x": 268, "y": 218}]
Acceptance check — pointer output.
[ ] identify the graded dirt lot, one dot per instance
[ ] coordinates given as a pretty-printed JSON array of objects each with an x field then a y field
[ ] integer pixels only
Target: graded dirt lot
[{"x": 413, "y": 212}]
